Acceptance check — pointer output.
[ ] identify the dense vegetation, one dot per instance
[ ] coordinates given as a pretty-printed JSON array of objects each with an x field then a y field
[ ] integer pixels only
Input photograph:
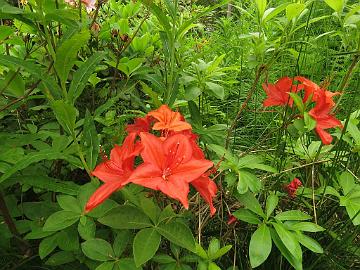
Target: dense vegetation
[{"x": 179, "y": 135}]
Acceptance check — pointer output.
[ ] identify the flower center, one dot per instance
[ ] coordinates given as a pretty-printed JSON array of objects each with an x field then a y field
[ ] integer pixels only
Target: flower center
[{"x": 166, "y": 173}]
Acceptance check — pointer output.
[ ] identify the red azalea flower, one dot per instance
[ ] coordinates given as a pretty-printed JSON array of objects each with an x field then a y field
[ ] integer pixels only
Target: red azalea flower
[
  {"x": 114, "y": 172},
  {"x": 168, "y": 120},
  {"x": 324, "y": 120},
  {"x": 141, "y": 124},
  {"x": 293, "y": 186},
  {"x": 231, "y": 219},
  {"x": 312, "y": 89},
  {"x": 278, "y": 94},
  {"x": 207, "y": 189},
  {"x": 168, "y": 166}
]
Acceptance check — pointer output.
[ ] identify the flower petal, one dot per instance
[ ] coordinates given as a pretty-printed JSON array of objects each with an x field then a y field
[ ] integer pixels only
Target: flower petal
[
  {"x": 177, "y": 148},
  {"x": 177, "y": 190},
  {"x": 153, "y": 150},
  {"x": 101, "y": 194},
  {"x": 191, "y": 170},
  {"x": 207, "y": 189},
  {"x": 146, "y": 175},
  {"x": 108, "y": 171}
]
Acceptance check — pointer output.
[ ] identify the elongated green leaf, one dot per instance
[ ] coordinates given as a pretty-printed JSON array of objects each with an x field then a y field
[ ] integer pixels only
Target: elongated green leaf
[
  {"x": 6, "y": 8},
  {"x": 260, "y": 245},
  {"x": 296, "y": 263},
  {"x": 346, "y": 181},
  {"x": 82, "y": 75},
  {"x": 146, "y": 243},
  {"x": 30, "y": 159},
  {"x": 247, "y": 216},
  {"x": 248, "y": 199},
  {"x": 67, "y": 52},
  {"x": 309, "y": 243},
  {"x": 287, "y": 238},
  {"x": 126, "y": 217},
  {"x": 306, "y": 227},
  {"x": 49, "y": 84},
  {"x": 261, "y": 6},
  {"x": 292, "y": 215},
  {"x": 178, "y": 233},
  {"x": 271, "y": 203},
  {"x": 60, "y": 220},
  {"x": 91, "y": 141},
  {"x": 98, "y": 249},
  {"x": 65, "y": 114},
  {"x": 43, "y": 182}
]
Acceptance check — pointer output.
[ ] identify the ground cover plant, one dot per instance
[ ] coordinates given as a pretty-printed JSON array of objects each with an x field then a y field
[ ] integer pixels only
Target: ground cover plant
[{"x": 179, "y": 135}]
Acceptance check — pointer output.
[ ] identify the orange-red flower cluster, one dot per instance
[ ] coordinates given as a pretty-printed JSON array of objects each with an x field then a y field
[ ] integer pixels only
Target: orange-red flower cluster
[
  {"x": 278, "y": 95},
  {"x": 171, "y": 161},
  {"x": 293, "y": 186}
]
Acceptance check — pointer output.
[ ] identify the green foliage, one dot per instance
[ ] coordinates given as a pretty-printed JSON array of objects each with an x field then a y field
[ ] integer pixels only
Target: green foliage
[{"x": 71, "y": 80}]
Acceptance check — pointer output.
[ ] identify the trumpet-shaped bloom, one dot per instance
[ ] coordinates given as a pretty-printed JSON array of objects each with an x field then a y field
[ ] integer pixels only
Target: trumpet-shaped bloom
[
  {"x": 115, "y": 171},
  {"x": 169, "y": 166},
  {"x": 312, "y": 89},
  {"x": 168, "y": 120},
  {"x": 278, "y": 93},
  {"x": 90, "y": 4},
  {"x": 324, "y": 120}
]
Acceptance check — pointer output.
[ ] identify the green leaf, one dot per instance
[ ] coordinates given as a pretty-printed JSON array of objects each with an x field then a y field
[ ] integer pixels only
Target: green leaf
[
  {"x": 106, "y": 266},
  {"x": 127, "y": 264},
  {"x": 309, "y": 243},
  {"x": 310, "y": 123},
  {"x": 67, "y": 52},
  {"x": 287, "y": 238},
  {"x": 6, "y": 8},
  {"x": 44, "y": 182},
  {"x": 271, "y": 203},
  {"x": 86, "y": 228},
  {"x": 336, "y": 5},
  {"x": 60, "y": 258},
  {"x": 195, "y": 113},
  {"x": 69, "y": 203},
  {"x": 247, "y": 216},
  {"x": 48, "y": 83},
  {"x": 298, "y": 102},
  {"x": 250, "y": 202},
  {"x": 213, "y": 266},
  {"x": 65, "y": 114},
  {"x": 126, "y": 217},
  {"x": 60, "y": 220},
  {"x": 145, "y": 245},
  {"x": 68, "y": 239},
  {"x": 260, "y": 245},
  {"x": 82, "y": 75},
  {"x": 346, "y": 181},
  {"x": 214, "y": 246},
  {"x": 47, "y": 245},
  {"x": 222, "y": 251},
  {"x": 261, "y": 6},
  {"x": 98, "y": 249},
  {"x": 91, "y": 140},
  {"x": 178, "y": 233},
  {"x": 293, "y": 10},
  {"x": 13, "y": 84},
  {"x": 217, "y": 89},
  {"x": 296, "y": 263},
  {"x": 292, "y": 215},
  {"x": 121, "y": 240},
  {"x": 306, "y": 227},
  {"x": 248, "y": 180}
]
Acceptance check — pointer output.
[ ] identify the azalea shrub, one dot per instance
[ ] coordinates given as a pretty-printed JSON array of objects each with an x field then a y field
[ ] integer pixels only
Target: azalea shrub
[{"x": 177, "y": 135}]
